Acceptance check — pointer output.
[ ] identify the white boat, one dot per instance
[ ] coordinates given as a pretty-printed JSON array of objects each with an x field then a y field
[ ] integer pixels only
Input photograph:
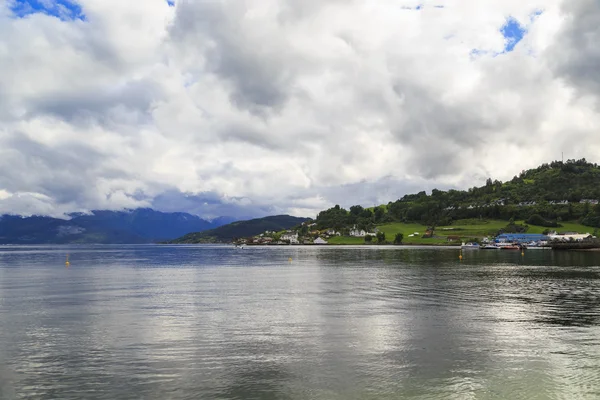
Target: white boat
[
  {"x": 536, "y": 246},
  {"x": 470, "y": 246},
  {"x": 490, "y": 247}
]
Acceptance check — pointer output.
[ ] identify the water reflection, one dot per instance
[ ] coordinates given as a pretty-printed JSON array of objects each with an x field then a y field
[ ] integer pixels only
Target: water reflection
[{"x": 340, "y": 323}]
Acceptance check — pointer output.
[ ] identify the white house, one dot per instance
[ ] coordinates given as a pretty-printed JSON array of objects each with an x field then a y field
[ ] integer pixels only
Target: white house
[
  {"x": 361, "y": 232},
  {"x": 290, "y": 237},
  {"x": 320, "y": 241},
  {"x": 358, "y": 232}
]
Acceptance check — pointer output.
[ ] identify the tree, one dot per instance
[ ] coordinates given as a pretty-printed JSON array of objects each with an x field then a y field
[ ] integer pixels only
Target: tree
[
  {"x": 379, "y": 213},
  {"x": 303, "y": 230},
  {"x": 380, "y": 237},
  {"x": 398, "y": 238},
  {"x": 368, "y": 239}
]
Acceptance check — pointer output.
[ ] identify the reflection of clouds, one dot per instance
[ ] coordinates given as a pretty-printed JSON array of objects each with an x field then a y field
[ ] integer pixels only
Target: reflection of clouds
[
  {"x": 535, "y": 351},
  {"x": 156, "y": 322}
]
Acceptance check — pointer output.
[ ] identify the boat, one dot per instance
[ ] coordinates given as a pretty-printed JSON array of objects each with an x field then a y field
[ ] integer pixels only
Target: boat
[
  {"x": 510, "y": 247},
  {"x": 470, "y": 246},
  {"x": 489, "y": 247},
  {"x": 536, "y": 246}
]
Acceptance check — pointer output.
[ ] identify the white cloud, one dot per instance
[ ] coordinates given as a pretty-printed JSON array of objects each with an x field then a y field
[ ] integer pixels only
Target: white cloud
[{"x": 268, "y": 106}]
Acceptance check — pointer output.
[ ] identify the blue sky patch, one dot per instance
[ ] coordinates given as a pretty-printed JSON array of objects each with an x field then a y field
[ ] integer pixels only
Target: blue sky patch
[
  {"x": 66, "y": 10},
  {"x": 536, "y": 14},
  {"x": 419, "y": 7},
  {"x": 513, "y": 33}
]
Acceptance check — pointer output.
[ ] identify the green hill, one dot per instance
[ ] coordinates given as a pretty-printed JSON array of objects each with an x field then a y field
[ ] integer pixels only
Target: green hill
[
  {"x": 240, "y": 229},
  {"x": 544, "y": 196}
]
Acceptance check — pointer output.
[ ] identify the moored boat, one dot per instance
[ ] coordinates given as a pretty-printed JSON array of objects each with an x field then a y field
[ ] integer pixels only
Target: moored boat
[
  {"x": 536, "y": 246},
  {"x": 489, "y": 247},
  {"x": 470, "y": 246},
  {"x": 511, "y": 247}
]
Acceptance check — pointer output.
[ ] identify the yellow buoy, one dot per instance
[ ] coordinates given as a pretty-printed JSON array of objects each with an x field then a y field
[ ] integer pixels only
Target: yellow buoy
[
  {"x": 460, "y": 256},
  {"x": 67, "y": 263},
  {"x": 290, "y": 259}
]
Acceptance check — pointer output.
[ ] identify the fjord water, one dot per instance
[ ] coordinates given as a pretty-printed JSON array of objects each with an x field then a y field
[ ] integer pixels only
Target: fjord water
[{"x": 215, "y": 322}]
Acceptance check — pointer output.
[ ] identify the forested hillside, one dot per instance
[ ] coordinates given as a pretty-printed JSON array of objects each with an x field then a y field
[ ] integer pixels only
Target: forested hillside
[{"x": 545, "y": 195}]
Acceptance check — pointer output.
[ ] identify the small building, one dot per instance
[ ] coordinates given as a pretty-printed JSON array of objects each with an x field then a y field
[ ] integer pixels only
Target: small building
[
  {"x": 320, "y": 241},
  {"x": 578, "y": 237},
  {"x": 453, "y": 238},
  {"x": 358, "y": 233},
  {"x": 361, "y": 232}
]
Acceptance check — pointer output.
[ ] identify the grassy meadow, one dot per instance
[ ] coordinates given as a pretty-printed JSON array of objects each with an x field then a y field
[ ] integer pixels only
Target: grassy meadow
[{"x": 466, "y": 229}]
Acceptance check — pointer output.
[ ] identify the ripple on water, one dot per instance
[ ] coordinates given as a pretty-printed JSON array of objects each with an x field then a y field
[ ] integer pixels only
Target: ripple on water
[{"x": 336, "y": 323}]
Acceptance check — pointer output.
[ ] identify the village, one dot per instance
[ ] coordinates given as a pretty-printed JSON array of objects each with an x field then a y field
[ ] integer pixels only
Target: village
[
  {"x": 503, "y": 202},
  {"x": 307, "y": 234}
]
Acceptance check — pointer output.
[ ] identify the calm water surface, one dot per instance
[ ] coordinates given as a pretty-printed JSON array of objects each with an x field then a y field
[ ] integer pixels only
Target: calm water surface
[{"x": 210, "y": 322}]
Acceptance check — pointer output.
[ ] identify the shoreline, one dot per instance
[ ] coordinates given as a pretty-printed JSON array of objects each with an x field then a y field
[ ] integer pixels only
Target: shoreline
[{"x": 342, "y": 244}]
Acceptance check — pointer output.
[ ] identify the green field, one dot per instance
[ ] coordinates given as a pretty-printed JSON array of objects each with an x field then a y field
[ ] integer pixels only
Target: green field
[
  {"x": 466, "y": 229},
  {"x": 345, "y": 240},
  {"x": 571, "y": 226}
]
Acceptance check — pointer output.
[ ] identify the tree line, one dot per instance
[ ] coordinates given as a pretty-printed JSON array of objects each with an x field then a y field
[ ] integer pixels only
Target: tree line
[{"x": 540, "y": 188}]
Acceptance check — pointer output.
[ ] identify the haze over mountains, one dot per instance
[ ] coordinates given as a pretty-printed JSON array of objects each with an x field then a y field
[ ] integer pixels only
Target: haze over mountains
[{"x": 141, "y": 225}]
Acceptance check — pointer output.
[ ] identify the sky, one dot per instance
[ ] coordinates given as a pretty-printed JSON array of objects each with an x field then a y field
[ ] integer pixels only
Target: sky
[{"x": 249, "y": 108}]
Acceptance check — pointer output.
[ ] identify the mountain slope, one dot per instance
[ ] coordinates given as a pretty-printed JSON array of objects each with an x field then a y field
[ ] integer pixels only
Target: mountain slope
[
  {"x": 239, "y": 229},
  {"x": 555, "y": 192},
  {"x": 135, "y": 226}
]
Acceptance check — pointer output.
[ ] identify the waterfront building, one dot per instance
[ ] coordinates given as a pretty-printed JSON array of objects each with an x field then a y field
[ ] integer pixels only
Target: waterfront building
[{"x": 521, "y": 238}]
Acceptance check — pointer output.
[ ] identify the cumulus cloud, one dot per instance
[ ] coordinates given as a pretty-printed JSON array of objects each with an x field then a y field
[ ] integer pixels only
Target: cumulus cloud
[
  {"x": 574, "y": 55},
  {"x": 255, "y": 107}
]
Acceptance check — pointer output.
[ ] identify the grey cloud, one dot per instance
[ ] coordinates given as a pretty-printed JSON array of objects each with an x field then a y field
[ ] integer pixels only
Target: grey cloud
[
  {"x": 380, "y": 191},
  {"x": 437, "y": 133},
  {"x": 66, "y": 173},
  {"x": 106, "y": 106},
  {"x": 210, "y": 205},
  {"x": 367, "y": 194},
  {"x": 575, "y": 56},
  {"x": 254, "y": 67},
  {"x": 292, "y": 11}
]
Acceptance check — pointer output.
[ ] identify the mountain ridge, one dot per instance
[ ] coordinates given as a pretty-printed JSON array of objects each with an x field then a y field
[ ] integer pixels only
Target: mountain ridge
[{"x": 142, "y": 225}]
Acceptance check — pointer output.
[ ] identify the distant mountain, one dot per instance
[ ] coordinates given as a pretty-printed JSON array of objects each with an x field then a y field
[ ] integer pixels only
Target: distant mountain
[
  {"x": 142, "y": 225},
  {"x": 239, "y": 229}
]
